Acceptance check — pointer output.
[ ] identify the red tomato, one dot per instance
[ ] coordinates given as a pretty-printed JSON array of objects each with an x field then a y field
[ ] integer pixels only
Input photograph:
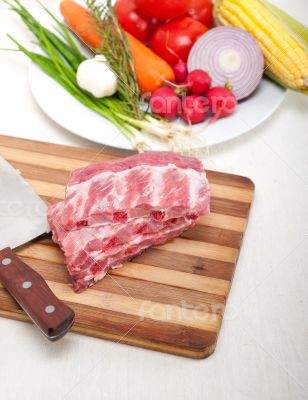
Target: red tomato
[
  {"x": 201, "y": 10},
  {"x": 162, "y": 9},
  {"x": 134, "y": 23},
  {"x": 174, "y": 40}
]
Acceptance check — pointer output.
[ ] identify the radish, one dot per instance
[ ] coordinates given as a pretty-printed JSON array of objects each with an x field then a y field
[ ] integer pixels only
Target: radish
[
  {"x": 194, "y": 109},
  {"x": 198, "y": 81},
  {"x": 221, "y": 102},
  {"x": 180, "y": 71},
  {"x": 165, "y": 103}
]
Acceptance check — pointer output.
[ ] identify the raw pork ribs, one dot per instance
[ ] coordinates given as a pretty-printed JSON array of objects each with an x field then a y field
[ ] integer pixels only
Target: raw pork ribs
[{"x": 114, "y": 210}]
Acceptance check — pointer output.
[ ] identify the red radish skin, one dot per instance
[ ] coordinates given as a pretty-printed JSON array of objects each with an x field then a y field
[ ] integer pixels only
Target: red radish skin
[
  {"x": 221, "y": 102},
  {"x": 165, "y": 103},
  {"x": 198, "y": 81},
  {"x": 194, "y": 109},
  {"x": 180, "y": 71}
]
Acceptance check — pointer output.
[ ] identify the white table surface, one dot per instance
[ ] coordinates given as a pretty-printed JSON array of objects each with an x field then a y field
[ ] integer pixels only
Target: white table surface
[{"x": 262, "y": 351}]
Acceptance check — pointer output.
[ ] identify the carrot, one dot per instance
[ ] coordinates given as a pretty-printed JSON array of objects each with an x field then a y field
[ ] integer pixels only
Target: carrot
[
  {"x": 79, "y": 20},
  {"x": 151, "y": 70}
]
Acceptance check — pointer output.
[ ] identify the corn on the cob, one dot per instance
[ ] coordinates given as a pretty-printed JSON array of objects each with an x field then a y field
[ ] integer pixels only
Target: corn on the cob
[{"x": 286, "y": 58}]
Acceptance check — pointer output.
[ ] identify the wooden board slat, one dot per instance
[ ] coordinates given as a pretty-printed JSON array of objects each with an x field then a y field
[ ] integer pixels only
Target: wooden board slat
[{"x": 172, "y": 297}]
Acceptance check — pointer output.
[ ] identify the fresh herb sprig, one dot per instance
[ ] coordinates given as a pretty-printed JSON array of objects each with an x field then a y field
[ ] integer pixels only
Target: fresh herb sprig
[{"x": 116, "y": 49}]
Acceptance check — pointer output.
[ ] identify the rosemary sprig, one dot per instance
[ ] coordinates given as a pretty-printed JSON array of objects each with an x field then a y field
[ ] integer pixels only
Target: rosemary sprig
[{"x": 115, "y": 48}]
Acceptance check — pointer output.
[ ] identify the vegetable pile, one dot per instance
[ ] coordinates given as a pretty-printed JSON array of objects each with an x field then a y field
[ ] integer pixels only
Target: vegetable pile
[
  {"x": 88, "y": 25},
  {"x": 62, "y": 60},
  {"x": 193, "y": 100},
  {"x": 169, "y": 54}
]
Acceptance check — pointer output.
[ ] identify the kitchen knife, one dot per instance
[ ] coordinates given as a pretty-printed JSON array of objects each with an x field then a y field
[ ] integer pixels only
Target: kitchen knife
[{"x": 23, "y": 217}]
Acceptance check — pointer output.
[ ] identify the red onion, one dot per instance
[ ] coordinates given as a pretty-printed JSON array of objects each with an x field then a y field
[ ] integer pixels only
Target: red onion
[{"x": 232, "y": 57}]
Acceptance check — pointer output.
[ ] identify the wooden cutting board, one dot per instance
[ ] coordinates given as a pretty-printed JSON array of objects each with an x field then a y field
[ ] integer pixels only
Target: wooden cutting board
[{"x": 172, "y": 297}]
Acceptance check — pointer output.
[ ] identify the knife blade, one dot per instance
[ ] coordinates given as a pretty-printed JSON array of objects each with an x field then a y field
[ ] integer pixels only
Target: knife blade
[{"x": 23, "y": 217}]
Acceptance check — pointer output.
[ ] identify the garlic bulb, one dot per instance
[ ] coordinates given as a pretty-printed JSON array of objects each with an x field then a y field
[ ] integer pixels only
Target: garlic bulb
[{"x": 95, "y": 76}]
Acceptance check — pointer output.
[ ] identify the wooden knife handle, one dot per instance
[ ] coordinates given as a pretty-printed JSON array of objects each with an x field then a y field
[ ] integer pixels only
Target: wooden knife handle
[{"x": 32, "y": 293}]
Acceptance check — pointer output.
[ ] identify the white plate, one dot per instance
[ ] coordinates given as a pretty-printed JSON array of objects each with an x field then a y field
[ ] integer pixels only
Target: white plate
[{"x": 60, "y": 106}]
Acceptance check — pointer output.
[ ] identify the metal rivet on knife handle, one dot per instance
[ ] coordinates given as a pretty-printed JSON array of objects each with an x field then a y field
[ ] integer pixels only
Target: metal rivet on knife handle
[
  {"x": 6, "y": 261},
  {"x": 50, "y": 309},
  {"x": 27, "y": 284}
]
